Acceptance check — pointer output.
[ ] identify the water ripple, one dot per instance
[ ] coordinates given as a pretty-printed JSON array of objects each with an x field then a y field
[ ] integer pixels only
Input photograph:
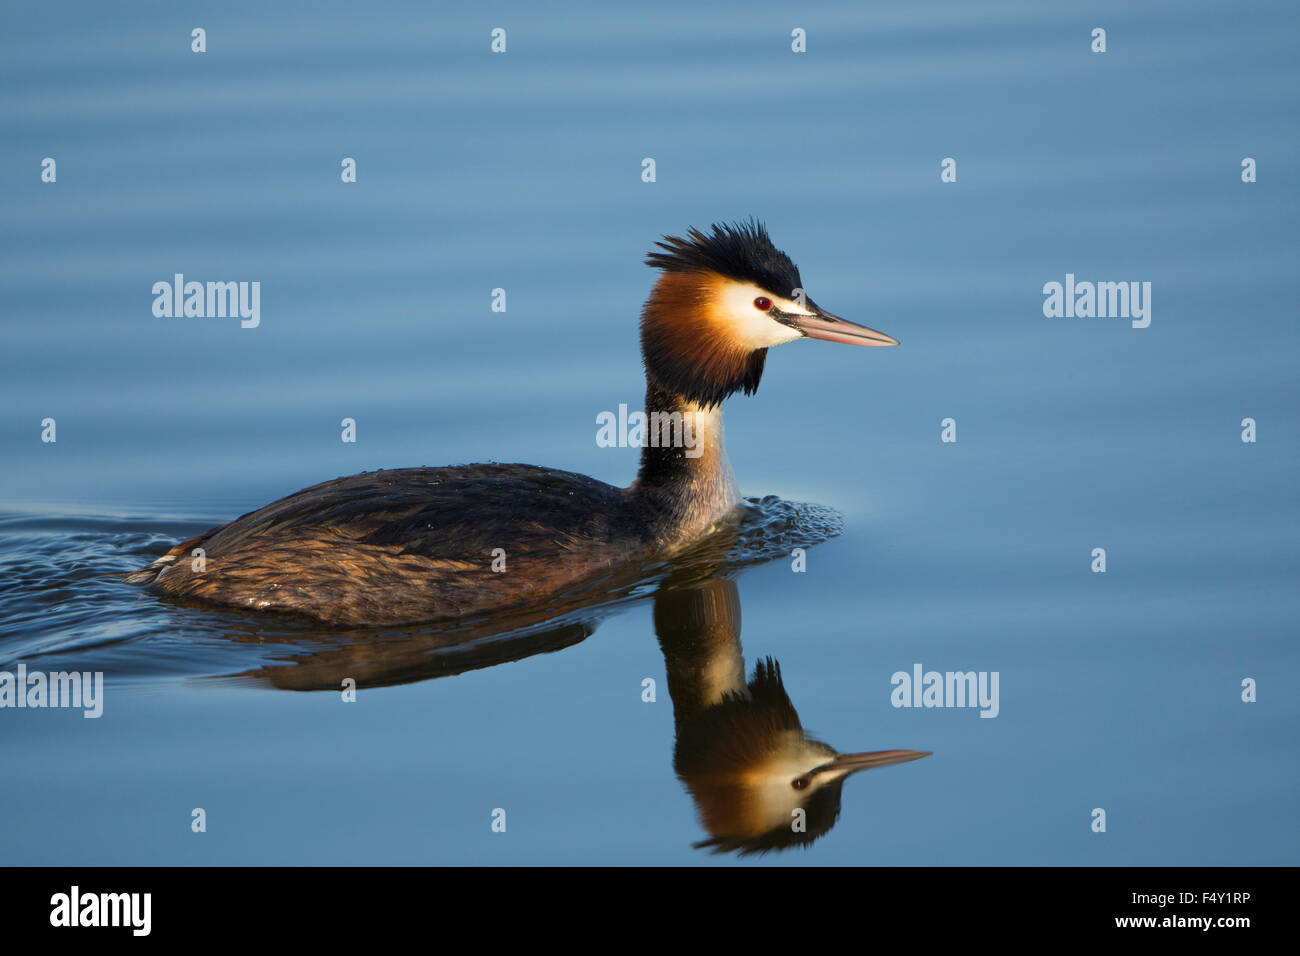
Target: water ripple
[{"x": 63, "y": 598}]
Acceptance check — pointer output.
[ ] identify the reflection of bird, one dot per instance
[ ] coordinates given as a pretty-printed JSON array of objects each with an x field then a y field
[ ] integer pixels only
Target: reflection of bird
[
  {"x": 741, "y": 750},
  {"x": 750, "y": 767},
  {"x": 419, "y": 544}
]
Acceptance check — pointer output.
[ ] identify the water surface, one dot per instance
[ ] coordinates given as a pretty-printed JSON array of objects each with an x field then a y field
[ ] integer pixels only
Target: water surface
[{"x": 522, "y": 171}]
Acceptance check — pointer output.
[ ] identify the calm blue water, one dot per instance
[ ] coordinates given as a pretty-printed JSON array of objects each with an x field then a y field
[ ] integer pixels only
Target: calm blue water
[{"x": 523, "y": 171}]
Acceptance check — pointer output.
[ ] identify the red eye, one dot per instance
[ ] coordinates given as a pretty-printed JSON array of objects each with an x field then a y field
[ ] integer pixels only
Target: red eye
[
  {"x": 762, "y": 303},
  {"x": 799, "y": 783}
]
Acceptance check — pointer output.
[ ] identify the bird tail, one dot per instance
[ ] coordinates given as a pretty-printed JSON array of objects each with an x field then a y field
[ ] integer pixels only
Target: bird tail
[{"x": 152, "y": 572}]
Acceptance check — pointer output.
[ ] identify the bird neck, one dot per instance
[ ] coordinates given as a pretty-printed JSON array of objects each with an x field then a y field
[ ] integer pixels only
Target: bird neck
[
  {"x": 698, "y": 626},
  {"x": 685, "y": 480}
]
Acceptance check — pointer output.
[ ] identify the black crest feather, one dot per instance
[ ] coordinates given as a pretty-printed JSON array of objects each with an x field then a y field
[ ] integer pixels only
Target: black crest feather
[{"x": 737, "y": 250}]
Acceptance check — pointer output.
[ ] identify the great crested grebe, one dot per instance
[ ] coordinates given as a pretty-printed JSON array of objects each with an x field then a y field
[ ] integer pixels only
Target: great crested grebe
[{"x": 423, "y": 544}]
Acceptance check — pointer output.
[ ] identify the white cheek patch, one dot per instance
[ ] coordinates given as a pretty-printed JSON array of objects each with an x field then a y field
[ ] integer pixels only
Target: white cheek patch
[{"x": 753, "y": 328}]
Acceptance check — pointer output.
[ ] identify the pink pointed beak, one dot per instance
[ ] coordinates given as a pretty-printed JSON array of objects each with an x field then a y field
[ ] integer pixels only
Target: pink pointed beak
[
  {"x": 844, "y": 764},
  {"x": 824, "y": 325}
]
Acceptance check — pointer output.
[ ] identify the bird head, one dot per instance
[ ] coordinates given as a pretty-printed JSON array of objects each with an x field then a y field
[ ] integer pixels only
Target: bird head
[{"x": 725, "y": 298}]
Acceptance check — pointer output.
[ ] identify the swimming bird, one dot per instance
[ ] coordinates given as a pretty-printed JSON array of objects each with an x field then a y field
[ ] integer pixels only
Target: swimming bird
[{"x": 428, "y": 544}]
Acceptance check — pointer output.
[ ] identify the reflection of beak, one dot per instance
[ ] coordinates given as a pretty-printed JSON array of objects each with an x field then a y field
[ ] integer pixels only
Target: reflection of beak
[
  {"x": 823, "y": 325},
  {"x": 845, "y": 764}
]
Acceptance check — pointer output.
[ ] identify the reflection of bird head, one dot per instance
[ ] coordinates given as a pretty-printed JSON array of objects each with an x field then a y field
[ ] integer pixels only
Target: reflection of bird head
[{"x": 749, "y": 766}]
